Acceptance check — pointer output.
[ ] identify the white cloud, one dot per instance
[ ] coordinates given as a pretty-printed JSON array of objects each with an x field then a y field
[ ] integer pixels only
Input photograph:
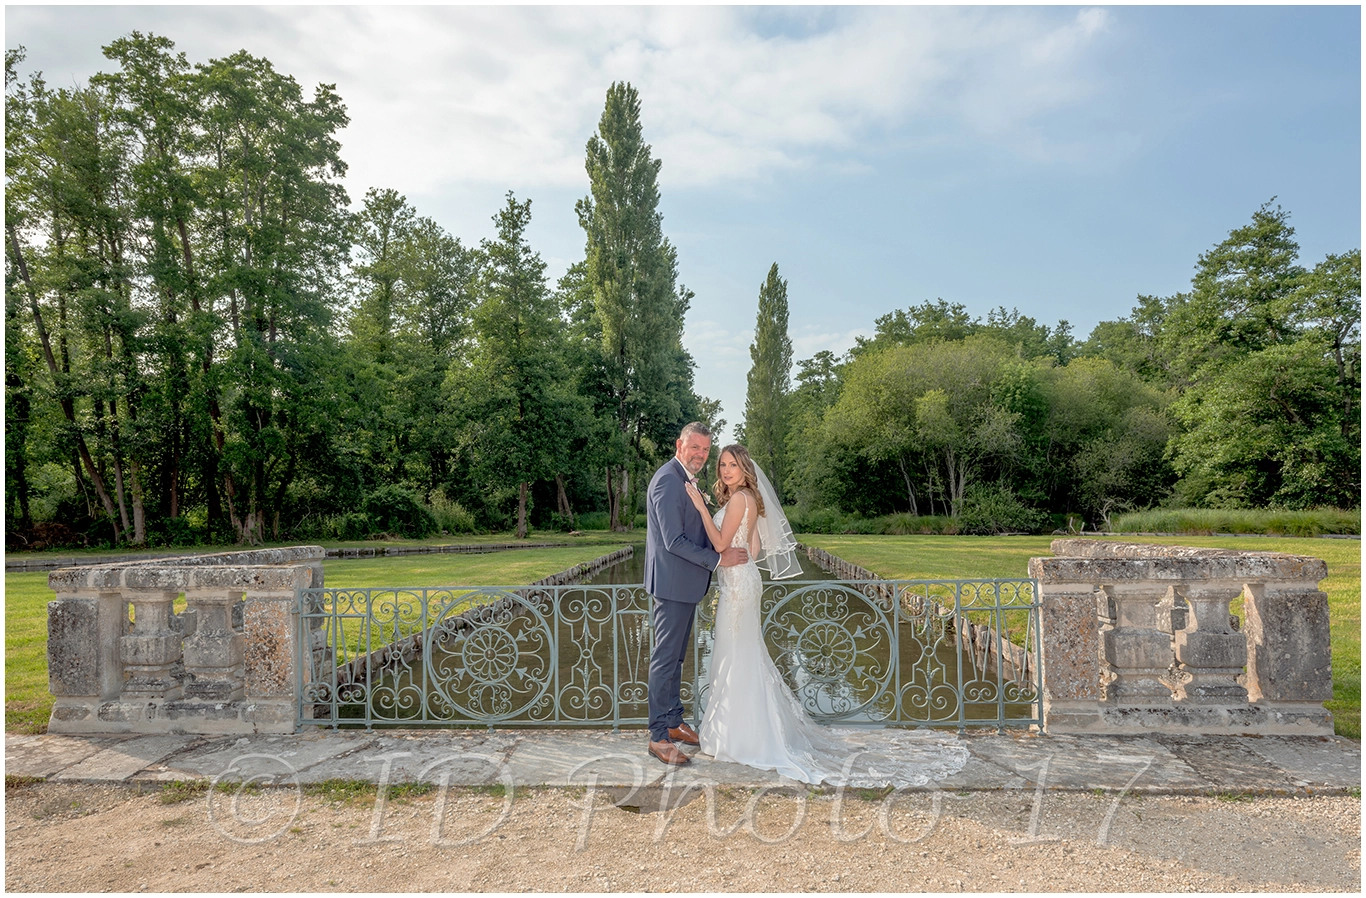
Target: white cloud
[
  {"x": 813, "y": 340},
  {"x": 509, "y": 95}
]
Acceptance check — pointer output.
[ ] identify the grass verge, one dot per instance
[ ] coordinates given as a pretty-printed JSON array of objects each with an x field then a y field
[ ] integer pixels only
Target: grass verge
[{"x": 1271, "y": 522}]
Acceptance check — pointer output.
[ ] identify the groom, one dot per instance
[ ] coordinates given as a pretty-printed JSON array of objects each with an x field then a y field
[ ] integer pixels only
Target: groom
[{"x": 679, "y": 561}]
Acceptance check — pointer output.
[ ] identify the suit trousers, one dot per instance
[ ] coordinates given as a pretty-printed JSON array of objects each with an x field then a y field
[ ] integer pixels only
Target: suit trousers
[{"x": 672, "y": 629}]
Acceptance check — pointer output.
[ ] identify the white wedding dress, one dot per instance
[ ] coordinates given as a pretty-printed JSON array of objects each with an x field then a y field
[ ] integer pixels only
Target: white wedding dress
[{"x": 753, "y": 719}]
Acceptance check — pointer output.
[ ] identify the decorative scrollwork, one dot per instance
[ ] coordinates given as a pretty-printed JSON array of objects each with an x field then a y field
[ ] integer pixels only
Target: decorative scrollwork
[{"x": 862, "y": 651}]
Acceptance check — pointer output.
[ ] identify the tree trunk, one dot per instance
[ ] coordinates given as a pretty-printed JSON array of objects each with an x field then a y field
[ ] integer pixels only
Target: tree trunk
[
  {"x": 521, "y": 510},
  {"x": 958, "y": 480},
  {"x": 620, "y": 522},
  {"x": 21, "y": 483},
  {"x": 562, "y": 500},
  {"x": 139, "y": 514},
  {"x": 80, "y": 483},
  {"x": 910, "y": 490}
]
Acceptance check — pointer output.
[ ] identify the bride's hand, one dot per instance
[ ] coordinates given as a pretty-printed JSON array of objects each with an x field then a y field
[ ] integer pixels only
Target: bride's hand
[{"x": 696, "y": 496}]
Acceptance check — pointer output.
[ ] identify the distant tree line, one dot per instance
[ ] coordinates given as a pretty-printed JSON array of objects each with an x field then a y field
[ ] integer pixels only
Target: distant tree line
[
  {"x": 204, "y": 344},
  {"x": 1244, "y": 392}
]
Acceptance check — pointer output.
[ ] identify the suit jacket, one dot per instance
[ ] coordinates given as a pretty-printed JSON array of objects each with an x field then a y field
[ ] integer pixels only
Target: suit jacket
[{"x": 679, "y": 558}]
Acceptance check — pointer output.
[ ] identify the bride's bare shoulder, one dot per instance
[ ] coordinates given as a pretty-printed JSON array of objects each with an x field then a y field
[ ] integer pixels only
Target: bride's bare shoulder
[{"x": 744, "y": 498}]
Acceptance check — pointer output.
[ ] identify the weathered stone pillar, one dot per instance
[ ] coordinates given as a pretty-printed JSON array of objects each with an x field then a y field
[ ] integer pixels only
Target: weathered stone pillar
[
  {"x": 152, "y": 649},
  {"x": 270, "y": 633},
  {"x": 1070, "y": 649},
  {"x": 1211, "y": 653},
  {"x": 1289, "y": 665},
  {"x": 214, "y": 653},
  {"x": 84, "y": 625}
]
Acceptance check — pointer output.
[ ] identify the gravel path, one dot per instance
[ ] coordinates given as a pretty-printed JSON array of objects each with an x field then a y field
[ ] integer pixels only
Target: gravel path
[{"x": 93, "y": 838}]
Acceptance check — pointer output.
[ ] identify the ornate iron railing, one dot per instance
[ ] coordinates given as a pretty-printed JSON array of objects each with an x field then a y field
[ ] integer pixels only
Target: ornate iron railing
[{"x": 946, "y": 653}]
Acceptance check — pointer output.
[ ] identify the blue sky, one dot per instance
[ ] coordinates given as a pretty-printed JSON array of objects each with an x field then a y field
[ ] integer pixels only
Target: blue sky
[{"x": 1061, "y": 160}]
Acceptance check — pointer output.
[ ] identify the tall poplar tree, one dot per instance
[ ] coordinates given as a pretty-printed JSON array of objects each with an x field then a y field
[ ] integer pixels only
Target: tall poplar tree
[
  {"x": 632, "y": 271},
  {"x": 769, "y": 382}
]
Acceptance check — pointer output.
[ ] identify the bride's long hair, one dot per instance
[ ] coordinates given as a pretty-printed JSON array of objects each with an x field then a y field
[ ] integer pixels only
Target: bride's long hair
[{"x": 751, "y": 480}]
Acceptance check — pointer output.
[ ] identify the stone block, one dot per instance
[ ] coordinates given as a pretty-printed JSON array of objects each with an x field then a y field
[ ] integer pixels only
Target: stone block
[
  {"x": 269, "y": 635},
  {"x": 216, "y": 650},
  {"x": 271, "y": 715},
  {"x": 250, "y": 579},
  {"x": 73, "y": 643},
  {"x": 68, "y": 580},
  {"x": 1133, "y": 647},
  {"x": 146, "y": 650},
  {"x": 68, "y": 714},
  {"x": 1069, "y": 642},
  {"x": 1288, "y": 643},
  {"x": 1196, "y": 648},
  {"x": 156, "y": 579}
]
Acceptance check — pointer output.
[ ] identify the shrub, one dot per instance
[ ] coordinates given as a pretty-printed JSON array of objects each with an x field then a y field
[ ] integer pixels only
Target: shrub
[
  {"x": 393, "y": 509},
  {"x": 994, "y": 510},
  {"x": 450, "y": 515},
  {"x": 817, "y": 520},
  {"x": 351, "y": 525},
  {"x": 557, "y": 521},
  {"x": 593, "y": 520}
]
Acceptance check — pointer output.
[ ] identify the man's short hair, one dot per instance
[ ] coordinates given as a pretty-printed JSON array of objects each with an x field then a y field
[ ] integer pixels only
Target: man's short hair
[{"x": 696, "y": 427}]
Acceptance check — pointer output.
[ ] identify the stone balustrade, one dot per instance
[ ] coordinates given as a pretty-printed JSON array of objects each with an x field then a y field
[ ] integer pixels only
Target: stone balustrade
[
  {"x": 1139, "y": 638},
  {"x": 226, "y": 664},
  {"x": 1135, "y": 638}
]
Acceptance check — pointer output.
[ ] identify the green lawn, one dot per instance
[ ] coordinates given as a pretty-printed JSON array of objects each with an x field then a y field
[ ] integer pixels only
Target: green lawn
[
  {"x": 28, "y": 704},
  {"x": 928, "y": 557}
]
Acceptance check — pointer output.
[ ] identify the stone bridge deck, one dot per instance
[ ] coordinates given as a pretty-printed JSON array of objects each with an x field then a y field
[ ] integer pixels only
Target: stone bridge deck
[{"x": 1156, "y": 764}]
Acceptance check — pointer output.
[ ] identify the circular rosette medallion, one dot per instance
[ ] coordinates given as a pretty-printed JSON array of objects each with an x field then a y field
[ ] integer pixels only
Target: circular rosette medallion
[
  {"x": 490, "y": 655},
  {"x": 491, "y": 658},
  {"x": 834, "y": 647},
  {"x": 827, "y": 650}
]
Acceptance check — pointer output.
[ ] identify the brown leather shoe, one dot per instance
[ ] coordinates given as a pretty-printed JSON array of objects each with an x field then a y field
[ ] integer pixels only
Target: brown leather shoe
[
  {"x": 685, "y": 734},
  {"x": 669, "y": 753}
]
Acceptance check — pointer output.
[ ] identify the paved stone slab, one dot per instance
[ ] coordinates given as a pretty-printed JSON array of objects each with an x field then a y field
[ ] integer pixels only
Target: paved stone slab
[
  {"x": 464, "y": 757},
  {"x": 706, "y": 771},
  {"x": 263, "y": 759},
  {"x": 985, "y": 773},
  {"x": 1091, "y": 762},
  {"x": 1330, "y": 762},
  {"x": 1227, "y": 762},
  {"x": 619, "y": 761},
  {"x": 572, "y": 758},
  {"x": 120, "y": 762},
  {"x": 44, "y": 756}
]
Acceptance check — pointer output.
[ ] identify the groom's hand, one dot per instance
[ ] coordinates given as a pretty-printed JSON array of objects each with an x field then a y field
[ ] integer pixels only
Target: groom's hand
[{"x": 733, "y": 556}]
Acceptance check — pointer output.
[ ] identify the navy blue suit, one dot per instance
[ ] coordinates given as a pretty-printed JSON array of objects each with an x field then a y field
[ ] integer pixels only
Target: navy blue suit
[{"x": 679, "y": 561}]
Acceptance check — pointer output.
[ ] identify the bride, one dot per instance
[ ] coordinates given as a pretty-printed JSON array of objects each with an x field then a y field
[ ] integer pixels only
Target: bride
[{"x": 751, "y": 717}]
